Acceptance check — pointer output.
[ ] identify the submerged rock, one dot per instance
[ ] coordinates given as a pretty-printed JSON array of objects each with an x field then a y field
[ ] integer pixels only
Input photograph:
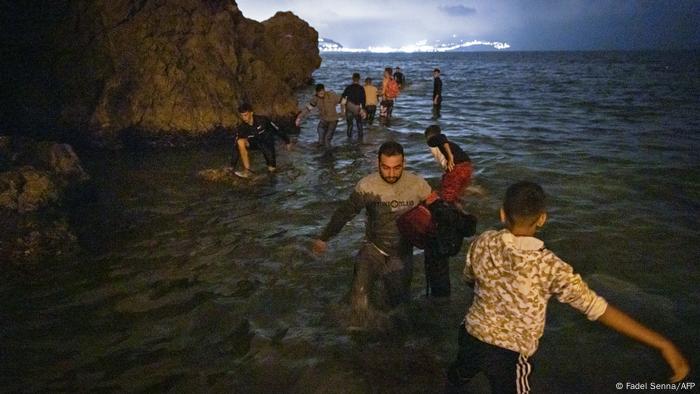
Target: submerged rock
[{"x": 156, "y": 68}]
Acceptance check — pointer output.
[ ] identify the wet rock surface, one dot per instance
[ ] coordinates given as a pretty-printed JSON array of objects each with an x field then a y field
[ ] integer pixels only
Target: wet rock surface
[{"x": 37, "y": 182}]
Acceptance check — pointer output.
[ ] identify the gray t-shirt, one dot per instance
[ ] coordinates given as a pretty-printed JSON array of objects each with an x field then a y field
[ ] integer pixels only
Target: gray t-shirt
[{"x": 384, "y": 202}]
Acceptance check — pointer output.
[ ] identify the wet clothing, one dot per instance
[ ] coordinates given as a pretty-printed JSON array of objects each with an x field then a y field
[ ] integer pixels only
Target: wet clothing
[
  {"x": 261, "y": 136},
  {"x": 325, "y": 130},
  {"x": 450, "y": 227},
  {"x": 371, "y": 112},
  {"x": 399, "y": 78},
  {"x": 386, "y": 92},
  {"x": 383, "y": 203},
  {"x": 328, "y": 114},
  {"x": 437, "y": 91},
  {"x": 436, "y": 111},
  {"x": 514, "y": 278},
  {"x": 353, "y": 115},
  {"x": 507, "y": 371},
  {"x": 437, "y": 271},
  {"x": 395, "y": 272},
  {"x": 439, "y": 228},
  {"x": 453, "y": 182},
  {"x": 327, "y": 106},
  {"x": 371, "y": 102},
  {"x": 439, "y": 141},
  {"x": 370, "y": 95},
  {"x": 386, "y": 108},
  {"x": 385, "y": 253},
  {"x": 355, "y": 96}
]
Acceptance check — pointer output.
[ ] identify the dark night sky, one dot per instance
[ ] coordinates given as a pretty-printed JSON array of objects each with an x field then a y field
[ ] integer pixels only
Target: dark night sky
[{"x": 524, "y": 25}]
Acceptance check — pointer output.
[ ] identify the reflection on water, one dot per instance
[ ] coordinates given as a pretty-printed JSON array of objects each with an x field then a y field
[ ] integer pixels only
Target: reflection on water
[{"x": 192, "y": 286}]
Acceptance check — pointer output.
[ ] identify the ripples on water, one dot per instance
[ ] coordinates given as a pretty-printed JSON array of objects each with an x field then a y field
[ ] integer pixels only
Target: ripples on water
[{"x": 189, "y": 286}]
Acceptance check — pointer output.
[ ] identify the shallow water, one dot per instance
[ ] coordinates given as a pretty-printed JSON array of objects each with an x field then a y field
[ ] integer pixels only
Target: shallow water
[{"x": 191, "y": 286}]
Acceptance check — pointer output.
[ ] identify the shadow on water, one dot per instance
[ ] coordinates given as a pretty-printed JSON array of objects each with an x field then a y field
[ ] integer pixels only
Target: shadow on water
[{"x": 188, "y": 286}]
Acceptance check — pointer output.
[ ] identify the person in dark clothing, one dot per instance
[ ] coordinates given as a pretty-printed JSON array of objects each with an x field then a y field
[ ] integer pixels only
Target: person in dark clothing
[
  {"x": 399, "y": 77},
  {"x": 451, "y": 226},
  {"x": 437, "y": 93},
  {"x": 442, "y": 229},
  {"x": 454, "y": 161},
  {"x": 354, "y": 98},
  {"x": 256, "y": 133},
  {"x": 438, "y": 227}
]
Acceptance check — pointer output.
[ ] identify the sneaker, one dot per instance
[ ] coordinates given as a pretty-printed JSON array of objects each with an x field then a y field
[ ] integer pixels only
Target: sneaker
[{"x": 244, "y": 174}]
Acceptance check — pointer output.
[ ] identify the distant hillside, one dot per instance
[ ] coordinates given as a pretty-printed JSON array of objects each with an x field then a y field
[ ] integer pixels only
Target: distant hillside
[
  {"x": 476, "y": 48},
  {"x": 326, "y": 44}
]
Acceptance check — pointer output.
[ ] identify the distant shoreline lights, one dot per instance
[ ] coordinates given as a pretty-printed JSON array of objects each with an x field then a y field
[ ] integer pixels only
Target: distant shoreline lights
[{"x": 421, "y": 46}]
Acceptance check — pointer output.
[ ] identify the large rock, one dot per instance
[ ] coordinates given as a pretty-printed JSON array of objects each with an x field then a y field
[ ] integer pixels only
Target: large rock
[
  {"x": 35, "y": 183},
  {"x": 162, "y": 67}
]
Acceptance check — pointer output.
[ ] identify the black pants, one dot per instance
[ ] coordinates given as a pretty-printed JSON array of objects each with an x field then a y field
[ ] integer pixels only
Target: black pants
[
  {"x": 265, "y": 145},
  {"x": 506, "y": 370},
  {"x": 437, "y": 270},
  {"x": 371, "y": 110},
  {"x": 436, "y": 107}
]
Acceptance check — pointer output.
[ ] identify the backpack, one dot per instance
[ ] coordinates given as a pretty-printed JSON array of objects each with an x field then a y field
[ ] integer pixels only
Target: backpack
[
  {"x": 440, "y": 226},
  {"x": 416, "y": 225},
  {"x": 392, "y": 89},
  {"x": 451, "y": 226}
]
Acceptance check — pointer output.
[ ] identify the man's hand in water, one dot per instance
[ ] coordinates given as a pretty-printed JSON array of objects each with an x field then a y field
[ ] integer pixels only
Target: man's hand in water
[
  {"x": 297, "y": 121},
  {"x": 318, "y": 247},
  {"x": 289, "y": 146}
]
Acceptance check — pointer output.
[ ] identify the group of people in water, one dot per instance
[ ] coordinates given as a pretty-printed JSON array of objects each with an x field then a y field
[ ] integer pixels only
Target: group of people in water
[
  {"x": 358, "y": 103},
  {"x": 512, "y": 273}
]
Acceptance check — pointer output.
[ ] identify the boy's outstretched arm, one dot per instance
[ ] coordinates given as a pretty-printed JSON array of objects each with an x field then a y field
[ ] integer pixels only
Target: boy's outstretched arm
[
  {"x": 624, "y": 324},
  {"x": 450, "y": 157}
]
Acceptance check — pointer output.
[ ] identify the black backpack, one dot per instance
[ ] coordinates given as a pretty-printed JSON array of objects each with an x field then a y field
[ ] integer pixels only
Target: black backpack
[{"x": 451, "y": 227}]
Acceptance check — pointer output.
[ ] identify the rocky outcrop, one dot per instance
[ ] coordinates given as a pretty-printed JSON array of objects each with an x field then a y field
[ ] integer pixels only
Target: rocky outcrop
[
  {"x": 35, "y": 179},
  {"x": 167, "y": 67}
]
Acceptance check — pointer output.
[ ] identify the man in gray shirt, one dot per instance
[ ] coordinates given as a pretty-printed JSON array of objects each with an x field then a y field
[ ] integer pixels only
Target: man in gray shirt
[
  {"x": 326, "y": 102},
  {"x": 384, "y": 253}
]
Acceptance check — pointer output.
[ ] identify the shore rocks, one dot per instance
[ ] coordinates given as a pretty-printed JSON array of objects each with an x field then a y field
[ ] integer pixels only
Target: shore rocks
[
  {"x": 35, "y": 179},
  {"x": 154, "y": 68}
]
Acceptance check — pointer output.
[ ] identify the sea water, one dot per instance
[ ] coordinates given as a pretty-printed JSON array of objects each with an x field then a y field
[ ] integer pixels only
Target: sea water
[{"x": 191, "y": 286}]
